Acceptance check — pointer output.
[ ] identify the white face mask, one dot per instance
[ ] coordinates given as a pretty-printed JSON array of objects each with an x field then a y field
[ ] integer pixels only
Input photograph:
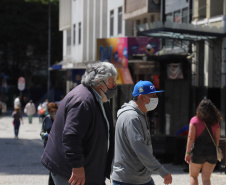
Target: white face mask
[{"x": 152, "y": 104}]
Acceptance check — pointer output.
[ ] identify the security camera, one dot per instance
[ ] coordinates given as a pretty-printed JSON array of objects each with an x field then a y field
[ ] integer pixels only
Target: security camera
[{"x": 149, "y": 47}]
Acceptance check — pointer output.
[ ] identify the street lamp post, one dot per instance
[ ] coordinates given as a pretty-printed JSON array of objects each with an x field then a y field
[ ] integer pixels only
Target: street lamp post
[{"x": 49, "y": 47}]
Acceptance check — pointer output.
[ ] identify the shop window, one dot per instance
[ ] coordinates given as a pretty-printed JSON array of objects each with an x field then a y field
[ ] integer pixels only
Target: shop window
[
  {"x": 169, "y": 17},
  {"x": 177, "y": 16},
  {"x": 169, "y": 43},
  {"x": 185, "y": 15}
]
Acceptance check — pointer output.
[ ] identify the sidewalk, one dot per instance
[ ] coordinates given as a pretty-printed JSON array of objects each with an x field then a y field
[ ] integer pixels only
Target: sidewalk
[{"x": 20, "y": 159}]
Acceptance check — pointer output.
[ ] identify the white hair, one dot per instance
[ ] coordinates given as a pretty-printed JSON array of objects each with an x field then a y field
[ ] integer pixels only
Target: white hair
[{"x": 97, "y": 72}]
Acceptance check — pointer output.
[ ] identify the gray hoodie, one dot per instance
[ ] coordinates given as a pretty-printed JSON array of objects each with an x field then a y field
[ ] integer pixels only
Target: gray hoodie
[{"x": 134, "y": 161}]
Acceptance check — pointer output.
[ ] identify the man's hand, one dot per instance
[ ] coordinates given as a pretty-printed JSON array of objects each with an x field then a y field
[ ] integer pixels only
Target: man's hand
[
  {"x": 77, "y": 176},
  {"x": 168, "y": 179}
]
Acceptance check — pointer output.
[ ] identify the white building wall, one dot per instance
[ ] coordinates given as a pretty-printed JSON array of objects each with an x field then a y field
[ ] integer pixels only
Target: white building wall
[
  {"x": 104, "y": 19},
  {"x": 114, "y": 5},
  {"x": 94, "y": 16},
  {"x": 64, "y": 44},
  {"x": 77, "y": 17},
  {"x": 85, "y": 30}
]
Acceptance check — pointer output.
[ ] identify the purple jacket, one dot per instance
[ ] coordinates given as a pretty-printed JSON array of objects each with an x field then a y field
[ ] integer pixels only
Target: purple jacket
[{"x": 79, "y": 138}]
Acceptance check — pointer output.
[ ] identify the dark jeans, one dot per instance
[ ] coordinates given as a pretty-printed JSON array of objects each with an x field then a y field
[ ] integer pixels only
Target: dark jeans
[
  {"x": 59, "y": 180},
  {"x": 121, "y": 183},
  {"x": 16, "y": 128},
  {"x": 51, "y": 182}
]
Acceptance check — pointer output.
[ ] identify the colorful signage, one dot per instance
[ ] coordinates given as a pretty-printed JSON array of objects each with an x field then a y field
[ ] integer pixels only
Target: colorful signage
[
  {"x": 118, "y": 50},
  {"x": 113, "y": 50},
  {"x": 143, "y": 45}
]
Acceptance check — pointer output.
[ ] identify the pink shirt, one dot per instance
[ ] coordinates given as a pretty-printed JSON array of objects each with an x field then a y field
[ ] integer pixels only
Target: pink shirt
[{"x": 200, "y": 126}]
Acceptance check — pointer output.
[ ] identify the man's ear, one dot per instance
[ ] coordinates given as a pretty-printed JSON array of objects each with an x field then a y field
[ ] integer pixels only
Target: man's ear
[{"x": 141, "y": 97}]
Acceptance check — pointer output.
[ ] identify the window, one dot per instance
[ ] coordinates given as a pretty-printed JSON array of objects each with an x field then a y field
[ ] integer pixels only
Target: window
[
  {"x": 168, "y": 43},
  {"x": 177, "y": 16},
  {"x": 169, "y": 17},
  {"x": 68, "y": 50},
  {"x": 68, "y": 37},
  {"x": 74, "y": 34},
  {"x": 185, "y": 15},
  {"x": 152, "y": 18},
  {"x": 79, "y": 33},
  {"x": 119, "y": 20},
  {"x": 112, "y": 23}
]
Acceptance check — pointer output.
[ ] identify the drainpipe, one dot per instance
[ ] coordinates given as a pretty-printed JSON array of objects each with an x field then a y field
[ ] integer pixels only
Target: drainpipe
[
  {"x": 49, "y": 48},
  {"x": 163, "y": 17},
  {"x": 223, "y": 76}
]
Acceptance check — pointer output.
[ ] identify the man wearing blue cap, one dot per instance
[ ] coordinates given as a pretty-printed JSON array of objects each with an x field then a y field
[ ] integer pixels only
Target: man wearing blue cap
[{"x": 134, "y": 161}]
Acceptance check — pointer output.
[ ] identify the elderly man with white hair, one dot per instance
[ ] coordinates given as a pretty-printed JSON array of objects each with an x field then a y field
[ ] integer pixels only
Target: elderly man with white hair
[{"x": 80, "y": 146}]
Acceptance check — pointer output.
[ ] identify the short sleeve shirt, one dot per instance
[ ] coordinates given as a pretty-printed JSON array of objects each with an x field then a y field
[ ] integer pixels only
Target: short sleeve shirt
[{"x": 200, "y": 126}]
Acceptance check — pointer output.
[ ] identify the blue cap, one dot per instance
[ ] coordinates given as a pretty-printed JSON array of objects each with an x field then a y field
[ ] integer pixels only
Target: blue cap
[{"x": 144, "y": 87}]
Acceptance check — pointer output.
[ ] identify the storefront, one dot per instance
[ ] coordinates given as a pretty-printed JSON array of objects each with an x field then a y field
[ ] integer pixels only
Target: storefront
[
  {"x": 183, "y": 69},
  {"x": 121, "y": 52}
]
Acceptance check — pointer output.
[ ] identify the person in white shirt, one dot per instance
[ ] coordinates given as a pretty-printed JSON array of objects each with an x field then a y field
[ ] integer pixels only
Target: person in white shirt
[
  {"x": 39, "y": 114},
  {"x": 30, "y": 110},
  {"x": 17, "y": 102}
]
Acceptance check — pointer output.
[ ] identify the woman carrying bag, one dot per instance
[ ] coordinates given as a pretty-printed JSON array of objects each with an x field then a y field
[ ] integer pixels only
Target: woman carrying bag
[{"x": 201, "y": 150}]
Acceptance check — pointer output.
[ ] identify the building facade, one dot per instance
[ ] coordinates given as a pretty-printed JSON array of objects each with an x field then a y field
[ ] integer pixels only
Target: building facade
[
  {"x": 192, "y": 56},
  {"x": 82, "y": 23},
  {"x": 189, "y": 65},
  {"x": 208, "y": 62}
]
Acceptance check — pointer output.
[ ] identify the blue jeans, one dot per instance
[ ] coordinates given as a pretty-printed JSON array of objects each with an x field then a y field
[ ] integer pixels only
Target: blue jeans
[
  {"x": 59, "y": 180},
  {"x": 121, "y": 183}
]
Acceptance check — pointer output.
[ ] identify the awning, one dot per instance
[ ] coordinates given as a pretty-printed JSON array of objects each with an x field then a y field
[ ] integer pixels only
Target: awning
[
  {"x": 65, "y": 65},
  {"x": 173, "y": 30},
  {"x": 166, "y": 58}
]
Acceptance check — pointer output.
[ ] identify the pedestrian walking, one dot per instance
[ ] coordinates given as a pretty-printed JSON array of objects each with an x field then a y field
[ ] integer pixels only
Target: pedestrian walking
[
  {"x": 30, "y": 110},
  {"x": 80, "y": 145},
  {"x": 134, "y": 161},
  {"x": 201, "y": 151},
  {"x": 46, "y": 127},
  {"x": 48, "y": 122},
  {"x": 16, "y": 121},
  {"x": 17, "y": 102},
  {"x": 1, "y": 107},
  {"x": 44, "y": 106},
  {"x": 39, "y": 108}
]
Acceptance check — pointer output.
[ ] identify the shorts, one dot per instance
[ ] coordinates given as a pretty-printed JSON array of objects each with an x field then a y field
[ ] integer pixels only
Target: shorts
[{"x": 202, "y": 156}]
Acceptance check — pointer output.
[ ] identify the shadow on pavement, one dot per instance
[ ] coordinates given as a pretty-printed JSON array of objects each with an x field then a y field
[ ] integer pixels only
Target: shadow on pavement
[{"x": 21, "y": 156}]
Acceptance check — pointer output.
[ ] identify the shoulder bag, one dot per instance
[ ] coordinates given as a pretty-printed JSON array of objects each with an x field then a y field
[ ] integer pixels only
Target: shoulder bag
[{"x": 218, "y": 150}]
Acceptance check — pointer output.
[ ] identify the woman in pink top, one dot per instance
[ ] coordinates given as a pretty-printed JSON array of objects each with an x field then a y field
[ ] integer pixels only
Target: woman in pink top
[{"x": 201, "y": 151}]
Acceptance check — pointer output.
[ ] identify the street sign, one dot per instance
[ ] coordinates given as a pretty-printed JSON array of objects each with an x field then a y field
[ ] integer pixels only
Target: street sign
[{"x": 21, "y": 83}]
